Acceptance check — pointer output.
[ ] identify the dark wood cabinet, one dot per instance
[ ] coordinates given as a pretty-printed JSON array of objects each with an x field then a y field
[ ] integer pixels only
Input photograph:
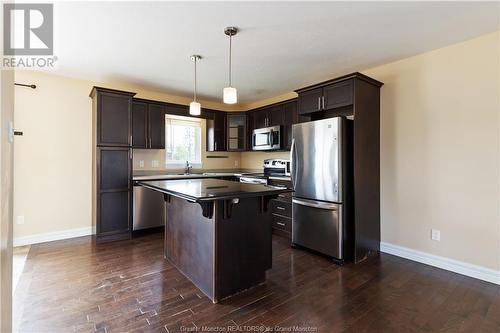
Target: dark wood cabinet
[
  {"x": 156, "y": 126},
  {"x": 268, "y": 116},
  {"x": 216, "y": 131},
  {"x": 290, "y": 117},
  {"x": 236, "y": 131},
  {"x": 327, "y": 97},
  {"x": 281, "y": 210},
  {"x": 275, "y": 115},
  {"x": 259, "y": 118},
  {"x": 283, "y": 114},
  {"x": 338, "y": 95},
  {"x": 114, "y": 119},
  {"x": 310, "y": 101},
  {"x": 148, "y": 125},
  {"x": 112, "y": 113},
  {"x": 140, "y": 137},
  {"x": 114, "y": 184}
]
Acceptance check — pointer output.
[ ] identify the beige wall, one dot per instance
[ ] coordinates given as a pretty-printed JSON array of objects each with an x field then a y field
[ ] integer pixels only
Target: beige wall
[
  {"x": 255, "y": 160},
  {"x": 440, "y": 151}
]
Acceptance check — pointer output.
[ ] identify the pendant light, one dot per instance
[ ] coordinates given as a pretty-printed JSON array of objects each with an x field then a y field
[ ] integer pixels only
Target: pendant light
[
  {"x": 230, "y": 95},
  {"x": 194, "y": 106}
]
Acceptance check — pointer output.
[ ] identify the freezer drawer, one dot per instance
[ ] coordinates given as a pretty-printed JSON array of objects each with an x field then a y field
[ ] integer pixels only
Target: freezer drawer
[
  {"x": 149, "y": 208},
  {"x": 317, "y": 226}
]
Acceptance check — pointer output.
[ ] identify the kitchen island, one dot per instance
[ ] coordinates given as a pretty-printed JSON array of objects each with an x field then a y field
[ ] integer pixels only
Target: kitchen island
[{"x": 218, "y": 232}]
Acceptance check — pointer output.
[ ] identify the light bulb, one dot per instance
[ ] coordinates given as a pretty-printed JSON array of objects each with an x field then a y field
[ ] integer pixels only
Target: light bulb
[
  {"x": 230, "y": 95},
  {"x": 194, "y": 108}
]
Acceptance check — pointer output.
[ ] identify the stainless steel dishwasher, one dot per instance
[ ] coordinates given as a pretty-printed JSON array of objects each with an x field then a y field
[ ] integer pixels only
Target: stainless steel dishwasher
[{"x": 149, "y": 208}]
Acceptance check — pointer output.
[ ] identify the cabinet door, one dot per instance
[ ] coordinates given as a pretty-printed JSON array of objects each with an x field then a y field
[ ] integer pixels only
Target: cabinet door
[
  {"x": 275, "y": 115},
  {"x": 220, "y": 131},
  {"x": 139, "y": 125},
  {"x": 114, "y": 120},
  {"x": 236, "y": 132},
  {"x": 290, "y": 117},
  {"x": 156, "y": 126},
  {"x": 338, "y": 95},
  {"x": 310, "y": 101},
  {"x": 114, "y": 185},
  {"x": 260, "y": 119},
  {"x": 216, "y": 131},
  {"x": 250, "y": 129}
]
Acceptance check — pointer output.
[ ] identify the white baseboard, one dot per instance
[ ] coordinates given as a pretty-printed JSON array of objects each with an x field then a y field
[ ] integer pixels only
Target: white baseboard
[
  {"x": 478, "y": 272},
  {"x": 52, "y": 236}
]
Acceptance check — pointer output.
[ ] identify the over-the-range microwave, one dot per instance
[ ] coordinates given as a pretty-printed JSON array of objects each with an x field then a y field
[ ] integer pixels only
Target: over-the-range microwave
[{"x": 268, "y": 138}]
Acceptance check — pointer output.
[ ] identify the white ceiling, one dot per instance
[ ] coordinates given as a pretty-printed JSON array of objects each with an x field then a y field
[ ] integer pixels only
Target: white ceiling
[{"x": 282, "y": 46}]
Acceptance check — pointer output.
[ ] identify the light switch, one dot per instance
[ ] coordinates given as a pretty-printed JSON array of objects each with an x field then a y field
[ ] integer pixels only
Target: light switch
[
  {"x": 435, "y": 235},
  {"x": 20, "y": 219},
  {"x": 141, "y": 164}
]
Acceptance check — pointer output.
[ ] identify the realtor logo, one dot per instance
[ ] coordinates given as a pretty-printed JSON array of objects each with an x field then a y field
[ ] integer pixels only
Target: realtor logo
[{"x": 28, "y": 29}]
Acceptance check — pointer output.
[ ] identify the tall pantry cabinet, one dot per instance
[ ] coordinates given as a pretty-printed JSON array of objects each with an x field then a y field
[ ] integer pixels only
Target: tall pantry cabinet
[{"x": 112, "y": 164}]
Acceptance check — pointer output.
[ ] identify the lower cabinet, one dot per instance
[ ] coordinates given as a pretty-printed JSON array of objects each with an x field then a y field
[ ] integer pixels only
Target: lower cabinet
[
  {"x": 113, "y": 218},
  {"x": 281, "y": 210}
]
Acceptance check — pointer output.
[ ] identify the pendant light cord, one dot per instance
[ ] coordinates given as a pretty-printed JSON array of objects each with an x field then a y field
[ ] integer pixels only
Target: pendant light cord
[
  {"x": 230, "y": 52},
  {"x": 195, "y": 78}
]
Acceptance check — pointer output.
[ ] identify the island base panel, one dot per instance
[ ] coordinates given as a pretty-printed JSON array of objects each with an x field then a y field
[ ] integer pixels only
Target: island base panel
[
  {"x": 222, "y": 255},
  {"x": 189, "y": 243}
]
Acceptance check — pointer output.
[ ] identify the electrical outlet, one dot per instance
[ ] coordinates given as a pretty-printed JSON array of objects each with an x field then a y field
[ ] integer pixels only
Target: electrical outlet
[
  {"x": 155, "y": 163},
  {"x": 435, "y": 235},
  {"x": 236, "y": 163},
  {"x": 141, "y": 164},
  {"x": 20, "y": 219}
]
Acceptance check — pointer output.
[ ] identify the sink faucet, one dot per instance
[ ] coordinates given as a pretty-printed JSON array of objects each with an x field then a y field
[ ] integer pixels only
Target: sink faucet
[{"x": 188, "y": 168}]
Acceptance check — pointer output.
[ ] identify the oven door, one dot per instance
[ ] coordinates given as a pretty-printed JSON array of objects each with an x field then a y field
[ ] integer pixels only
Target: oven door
[{"x": 266, "y": 138}]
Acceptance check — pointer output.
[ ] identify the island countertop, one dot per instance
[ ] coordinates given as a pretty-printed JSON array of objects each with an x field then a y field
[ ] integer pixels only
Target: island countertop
[{"x": 202, "y": 190}]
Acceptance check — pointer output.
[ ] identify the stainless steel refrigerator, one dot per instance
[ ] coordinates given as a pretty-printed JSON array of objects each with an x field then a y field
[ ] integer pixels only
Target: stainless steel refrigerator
[{"x": 320, "y": 172}]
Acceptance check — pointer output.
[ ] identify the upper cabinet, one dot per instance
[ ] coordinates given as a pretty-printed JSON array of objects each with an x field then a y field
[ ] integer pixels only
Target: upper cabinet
[
  {"x": 112, "y": 117},
  {"x": 236, "y": 131},
  {"x": 140, "y": 137},
  {"x": 268, "y": 116},
  {"x": 283, "y": 114},
  {"x": 156, "y": 126},
  {"x": 327, "y": 97},
  {"x": 148, "y": 124},
  {"x": 290, "y": 117},
  {"x": 216, "y": 130}
]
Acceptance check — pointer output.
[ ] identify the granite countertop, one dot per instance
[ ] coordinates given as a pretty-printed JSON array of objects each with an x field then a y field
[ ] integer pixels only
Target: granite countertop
[{"x": 200, "y": 190}]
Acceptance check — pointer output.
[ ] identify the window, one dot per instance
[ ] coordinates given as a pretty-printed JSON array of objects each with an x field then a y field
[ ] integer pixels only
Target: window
[{"x": 182, "y": 140}]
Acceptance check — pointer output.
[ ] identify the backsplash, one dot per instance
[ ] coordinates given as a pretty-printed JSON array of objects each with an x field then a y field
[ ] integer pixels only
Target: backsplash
[{"x": 255, "y": 160}]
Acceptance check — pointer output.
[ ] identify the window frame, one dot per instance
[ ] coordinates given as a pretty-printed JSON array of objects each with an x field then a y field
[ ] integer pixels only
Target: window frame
[{"x": 196, "y": 122}]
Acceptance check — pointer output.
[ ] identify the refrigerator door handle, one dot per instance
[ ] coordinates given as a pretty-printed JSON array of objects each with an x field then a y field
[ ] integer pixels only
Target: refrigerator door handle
[
  {"x": 293, "y": 172},
  {"x": 315, "y": 204}
]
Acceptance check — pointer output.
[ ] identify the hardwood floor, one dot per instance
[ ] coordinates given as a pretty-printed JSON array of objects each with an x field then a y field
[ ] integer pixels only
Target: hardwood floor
[{"x": 77, "y": 286}]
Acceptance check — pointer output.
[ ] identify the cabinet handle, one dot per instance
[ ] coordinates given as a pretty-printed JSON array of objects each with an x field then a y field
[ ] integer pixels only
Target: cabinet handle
[
  {"x": 323, "y": 101},
  {"x": 215, "y": 144},
  {"x": 280, "y": 208},
  {"x": 281, "y": 224},
  {"x": 130, "y": 143},
  {"x": 319, "y": 103}
]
